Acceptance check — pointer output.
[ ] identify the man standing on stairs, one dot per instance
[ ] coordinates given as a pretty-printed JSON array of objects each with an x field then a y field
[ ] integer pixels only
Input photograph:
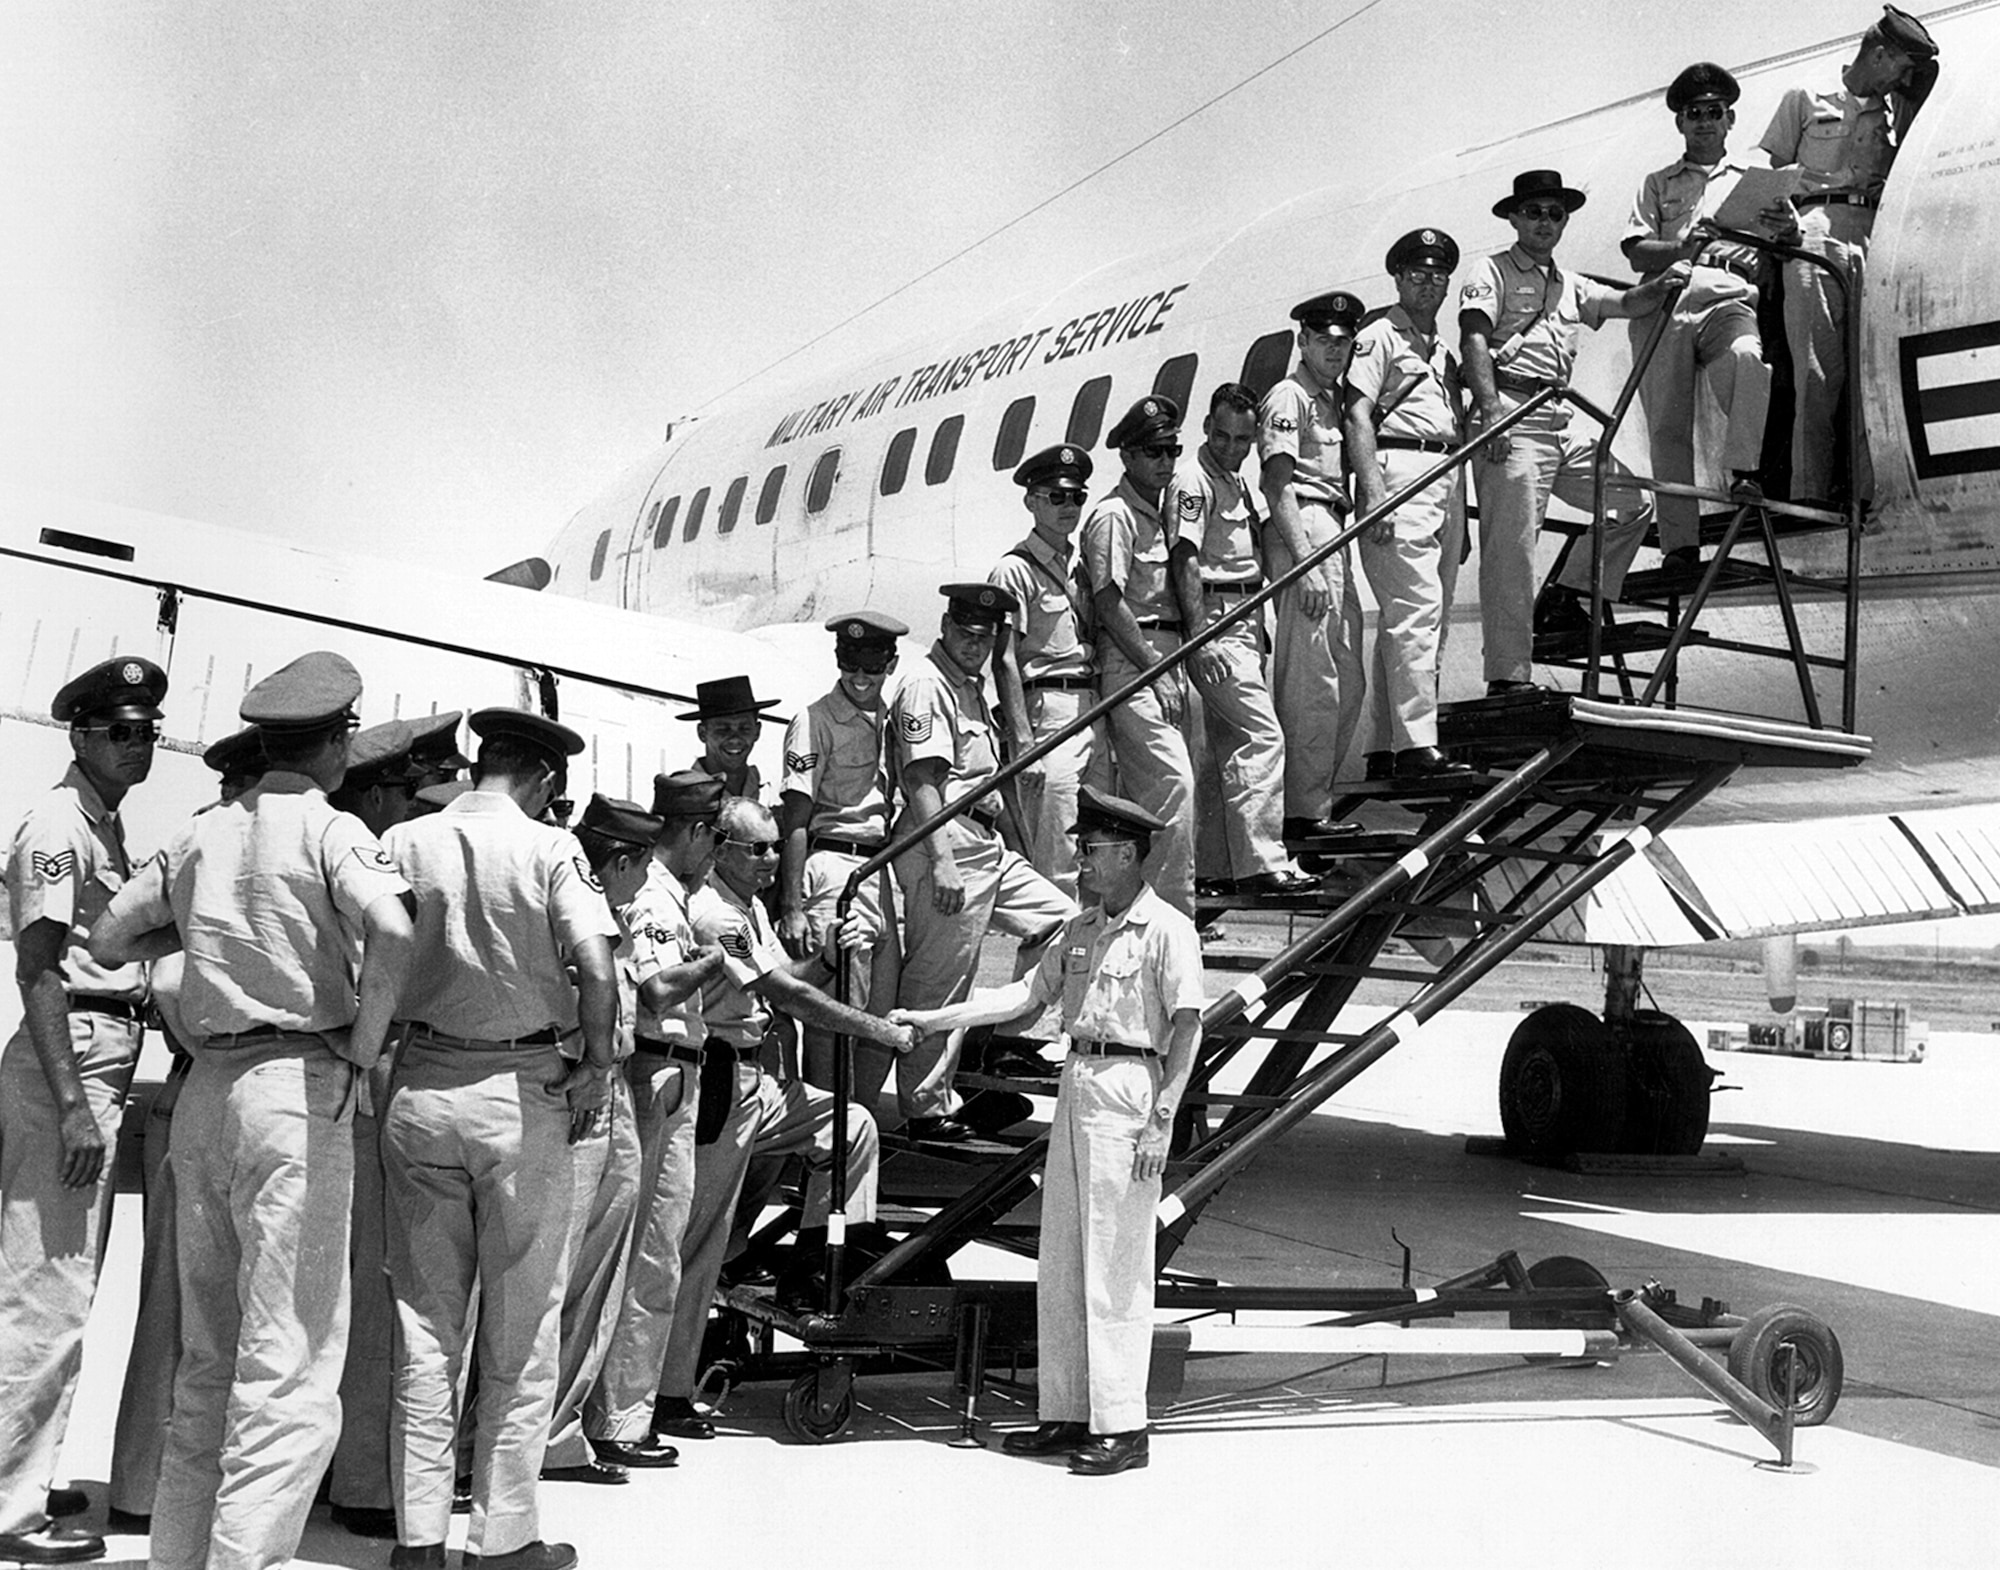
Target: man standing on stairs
[
  {"x": 1518, "y": 315},
  {"x": 1712, "y": 328}
]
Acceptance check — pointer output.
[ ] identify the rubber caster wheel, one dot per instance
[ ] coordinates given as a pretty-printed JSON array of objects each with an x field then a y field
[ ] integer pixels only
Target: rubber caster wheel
[
  {"x": 1562, "y": 1270},
  {"x": 1776, "y": 1340},
  {"x": 819, "y": 1405},
  {"x": 1562, "y": 1085}
]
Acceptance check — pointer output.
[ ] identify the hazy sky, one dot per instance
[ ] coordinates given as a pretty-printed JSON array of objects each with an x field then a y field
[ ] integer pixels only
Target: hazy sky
[{"x": 420, "y": 278}]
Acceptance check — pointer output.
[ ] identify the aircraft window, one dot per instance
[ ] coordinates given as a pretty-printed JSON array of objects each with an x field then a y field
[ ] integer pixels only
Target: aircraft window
[
  {"x": 663, "y": 530},
  {"x": 896, "y": 462},
  {"x": 732, "y": 504},
  {"x": 1176, "y": 381},
  {"x": 944, "y": 451},
  {"x": 597, "y": 556},
  {"x": 1013, "y": 438},
  {"x": 767, "y": 498},
  {"x": 1266, "y": 363},
  {"x": 1086, "y": 415},
  {"x": 695, "y": 509},
  {"x": 819, "y": 484}
]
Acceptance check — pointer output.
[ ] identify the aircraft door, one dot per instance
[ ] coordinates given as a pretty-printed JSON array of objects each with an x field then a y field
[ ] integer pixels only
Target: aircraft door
[{"x": 635, "y": 556}]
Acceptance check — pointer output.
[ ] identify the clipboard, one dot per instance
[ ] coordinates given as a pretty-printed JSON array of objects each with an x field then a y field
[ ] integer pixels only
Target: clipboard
[{"x": 1743, "y": 207}]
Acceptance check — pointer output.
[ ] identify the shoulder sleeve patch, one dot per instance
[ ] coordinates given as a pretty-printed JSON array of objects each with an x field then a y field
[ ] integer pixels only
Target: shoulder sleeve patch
[
  {"x": 801, "y": 762},
  {"x": 583, "y": 871},
  {"x": 1190, "y": 505},
  {"x": 58, "y": 867},
  {"x": 914, "y": 727},
  {"x": 735, "y": 941},
  {"x": 375, "y": 859}
]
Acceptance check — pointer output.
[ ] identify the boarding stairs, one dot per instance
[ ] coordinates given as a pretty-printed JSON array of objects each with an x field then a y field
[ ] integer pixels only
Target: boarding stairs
[{"x": 1446, "y": 881}]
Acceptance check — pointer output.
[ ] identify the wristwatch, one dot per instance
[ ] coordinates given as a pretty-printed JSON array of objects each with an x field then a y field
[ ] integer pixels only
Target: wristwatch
[{"x": 1163, "y": 1113}]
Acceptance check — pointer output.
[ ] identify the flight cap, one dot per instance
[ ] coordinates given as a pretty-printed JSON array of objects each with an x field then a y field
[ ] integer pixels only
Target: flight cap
[
  {"x": 312, "y": 692},
  {"x": 1109, "y": 814},
  {"x": 1534, "y": 183},
  {"x": 624, "y": 821},
  {"x": 1704, "y": 81},
  {"x": 1423, "y": 248},
  {"x": 978, "y": 604},
  {"x": 689, "y": 793},
  {"x": 1153, "y": 416},
  {"x": 1334, "y": 309},
  {"x": 125, "y": 688},
  {"x": 1066, "y": 464},
  {"x": 727, "y": 695}
]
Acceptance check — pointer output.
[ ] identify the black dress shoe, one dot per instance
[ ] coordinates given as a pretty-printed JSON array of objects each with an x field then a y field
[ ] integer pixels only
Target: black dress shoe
[
  {"x": 1378, "y": 766},
  {"x": 1286, "y": 880},
  {"x": 1108, "y": 1453},
  {"x": 1427, "y": 763},
  {"x": 366, "y": 1520},
  {"x": 937, "y": 1131},
  {"x": 1560, "y": 612},
  {"x": 50, "y": 1544},
  {"x": 128, "y": 1523},
  {"x": 1047, "y": 1439},
  {"x": 66, "y": 1501},
  {"x": 1316, "y": 829},
  {"x": 537, "y": 1555},
  {"x": 461, "y": 1496},
  {"x": 1510, "y": 689},
  {"x": 586, "y": 1472},
  {"x": 647, "y": 1452},
  {"x": 1013, "y": 1063},
  {"x": 682, "y": 1418},
  {"x": 989, "y": 1111},
  {"x": 1746, "y": 486},
  {"x": 417, "y": 1556}
]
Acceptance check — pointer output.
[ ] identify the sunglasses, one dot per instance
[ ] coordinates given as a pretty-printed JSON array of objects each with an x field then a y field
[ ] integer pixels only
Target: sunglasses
[
  {"x": 755, "y": 847},
  {"x": 124, "y": 733},
  {"x": 1705, "y": 112},
  {"x": 1554, "y": 212},
  {"x": 1085, "y": 847},
  {"x": 865, "y": 664},
  {"x": 1162, "y": 449},
  {"x": 1064, "y": 496},
  {"x": 1430, "y": 275}
]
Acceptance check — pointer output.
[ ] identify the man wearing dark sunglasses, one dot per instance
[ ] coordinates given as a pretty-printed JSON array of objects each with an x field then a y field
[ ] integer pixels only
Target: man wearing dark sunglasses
[
  {"x": 835, "y": 814},
  {"x": 1518, "y": 316},
  {"x": 1316, "y": 672},
  {"x": 1127, "y": 549},
  {"x": 63, "y": 1080},
  {"x": 1711, "y": 332},
  {"x": 1044, "y": 665}
]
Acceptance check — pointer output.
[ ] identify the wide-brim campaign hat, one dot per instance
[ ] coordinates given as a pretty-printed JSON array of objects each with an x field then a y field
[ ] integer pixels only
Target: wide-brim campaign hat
[
  {"x": 728, "y": 695},
  {"x": 1532, "y": 183}
]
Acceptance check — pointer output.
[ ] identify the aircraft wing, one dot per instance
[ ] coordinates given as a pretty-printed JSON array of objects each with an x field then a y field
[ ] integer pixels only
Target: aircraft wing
[
  {"x": 644, "y": 654},
  {"x": 1694, "y": 885}
]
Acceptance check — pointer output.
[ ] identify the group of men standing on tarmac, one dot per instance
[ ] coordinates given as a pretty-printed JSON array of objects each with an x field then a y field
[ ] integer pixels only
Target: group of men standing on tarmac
[{"x": 411, "y": 1022}]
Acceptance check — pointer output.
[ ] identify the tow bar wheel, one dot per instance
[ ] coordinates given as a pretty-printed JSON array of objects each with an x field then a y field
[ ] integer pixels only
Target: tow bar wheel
[
  {"x": 1785, "y": 1345},
  {"x": 820, "y": 1403}
]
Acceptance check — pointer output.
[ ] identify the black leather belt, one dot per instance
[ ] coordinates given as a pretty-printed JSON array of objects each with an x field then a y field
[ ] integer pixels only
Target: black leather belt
[
  {"x": 743, "y": 1054},
  {"x": 117, "y": 1008},
  {"x": 1231, "y": 588},
  {"x": 1523, "y": 384},
  {"x": 1412, "y": 444},
  {"x": 547, "y": 1036},
  {"x": 1154, "y": 623},
  {"x": 1836, "y": 199},
  {"x": 674, "y": 1051},
  {"x": 843, "y": 847},
  {"x": 1060, "y": 683},
  {"x": 223, "y": 1040},
  {"x": 1108, "y": 1049},
  {"x": 986, "y": 817}
]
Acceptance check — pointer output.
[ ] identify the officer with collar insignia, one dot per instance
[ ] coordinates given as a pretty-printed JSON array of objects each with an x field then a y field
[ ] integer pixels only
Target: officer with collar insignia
[{"x": 1127, "y": 974}]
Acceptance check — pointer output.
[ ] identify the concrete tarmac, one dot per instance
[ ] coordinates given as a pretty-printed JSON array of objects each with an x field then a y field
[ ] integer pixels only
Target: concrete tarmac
[{"x": 1870, "y": 1194}]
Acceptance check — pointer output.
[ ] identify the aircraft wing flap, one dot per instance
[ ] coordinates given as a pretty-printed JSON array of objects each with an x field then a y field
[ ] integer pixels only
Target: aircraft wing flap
[{"x": 1756, "y": 880}]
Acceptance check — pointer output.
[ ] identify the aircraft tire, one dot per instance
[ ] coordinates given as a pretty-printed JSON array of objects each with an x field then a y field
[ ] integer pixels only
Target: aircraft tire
[
  {"x": 1667, "y": 1110},
  {"x": 1562, "y": 1085},
  {"x": 1773, "y": 1336}
]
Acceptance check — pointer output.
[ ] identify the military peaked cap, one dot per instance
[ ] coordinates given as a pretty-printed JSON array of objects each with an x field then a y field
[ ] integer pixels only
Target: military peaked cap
[
  {"x": 125, "y": 688},
  {"x": 1152, "y": 416},
  {"x": 1067, "y": 464}
]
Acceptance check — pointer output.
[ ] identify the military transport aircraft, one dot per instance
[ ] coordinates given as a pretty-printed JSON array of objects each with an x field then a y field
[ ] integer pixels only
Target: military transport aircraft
[{"x": 870, "y": 482}]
